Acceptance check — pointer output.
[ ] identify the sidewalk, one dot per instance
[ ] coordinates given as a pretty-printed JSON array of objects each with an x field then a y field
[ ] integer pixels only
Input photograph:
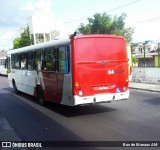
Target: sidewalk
[{"x": 145, "y": 86}]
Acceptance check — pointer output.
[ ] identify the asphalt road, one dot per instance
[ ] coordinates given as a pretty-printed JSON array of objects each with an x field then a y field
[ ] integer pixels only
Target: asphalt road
[{"x": 22, "y": 118}]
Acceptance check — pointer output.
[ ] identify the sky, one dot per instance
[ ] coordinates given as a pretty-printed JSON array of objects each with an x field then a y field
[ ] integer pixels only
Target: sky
[{"x": 142, "y": 15}]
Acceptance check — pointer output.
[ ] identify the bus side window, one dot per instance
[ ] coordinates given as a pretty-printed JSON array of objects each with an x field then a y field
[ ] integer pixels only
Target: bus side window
[
  {"x": 68, "y": 58},
  {"x": 15, "y": 61},
  {"x": 4, "y": 62},
  {"x": 63, "y": 60},
  {"x": 38, "y": 60},
  {"x": 8, "y": 64},
  {"x": 49, "y": 59},
  {"x": 23, "y": 61},
  {"x": 30, "y": 60}
]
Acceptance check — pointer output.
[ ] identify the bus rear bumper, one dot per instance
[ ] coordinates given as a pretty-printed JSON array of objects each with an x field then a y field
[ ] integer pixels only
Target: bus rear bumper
[{"x": 98, "y": 98}]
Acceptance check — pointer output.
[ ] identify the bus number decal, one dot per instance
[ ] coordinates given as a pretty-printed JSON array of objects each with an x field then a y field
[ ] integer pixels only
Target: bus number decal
[{"x": 110, "y": 72}]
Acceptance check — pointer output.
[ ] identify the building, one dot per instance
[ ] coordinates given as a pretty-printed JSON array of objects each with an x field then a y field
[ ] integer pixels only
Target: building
[
  {"x": 43, "y": 29},
  {"x": 3, "y": 53},
  {"x": 146, "y": 54},
  {"x": 40, "y": 28}
]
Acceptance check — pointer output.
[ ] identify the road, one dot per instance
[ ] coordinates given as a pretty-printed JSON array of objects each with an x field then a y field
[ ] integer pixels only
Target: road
[{"x": 22, "y": 118}]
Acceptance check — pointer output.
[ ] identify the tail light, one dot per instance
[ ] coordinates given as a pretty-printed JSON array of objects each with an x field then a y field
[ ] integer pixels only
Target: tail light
[
  {"x": 78, "y": 88},
  {"x": 126, "y": 85}
]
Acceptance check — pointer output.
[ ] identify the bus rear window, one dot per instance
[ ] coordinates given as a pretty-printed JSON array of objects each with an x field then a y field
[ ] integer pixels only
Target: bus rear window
[{"x": 95, "y": 49}]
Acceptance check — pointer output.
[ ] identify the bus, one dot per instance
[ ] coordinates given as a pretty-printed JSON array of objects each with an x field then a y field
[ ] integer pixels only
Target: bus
[
  {"x": 83, "y": 69},
  {"x": 3, "y": 66}
]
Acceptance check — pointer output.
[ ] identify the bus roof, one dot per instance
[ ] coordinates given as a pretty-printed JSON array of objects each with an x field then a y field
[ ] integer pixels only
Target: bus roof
[
  {"x": 99, "y": 36},
  {"x": 61, "y": 42},
  {"x": 40, "y": 46}
]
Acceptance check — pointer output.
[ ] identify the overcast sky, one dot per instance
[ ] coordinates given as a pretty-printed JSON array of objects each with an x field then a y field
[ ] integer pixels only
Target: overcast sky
[{"x": 143, "y": 15}]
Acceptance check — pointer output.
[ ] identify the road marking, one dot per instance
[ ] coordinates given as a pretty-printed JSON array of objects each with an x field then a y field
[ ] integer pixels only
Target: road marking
[{"x": 7, "y": 133}]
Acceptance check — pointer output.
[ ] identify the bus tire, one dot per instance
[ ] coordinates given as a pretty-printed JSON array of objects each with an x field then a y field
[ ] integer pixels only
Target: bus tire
[
  {"x": 40, "y": 96},
  {"x": 15, "y": 88}
]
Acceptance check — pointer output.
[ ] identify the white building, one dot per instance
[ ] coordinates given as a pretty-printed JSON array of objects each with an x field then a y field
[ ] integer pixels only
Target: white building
[
  {"x": 42, "y": 29},
  {"x": 149, "y": 46}
]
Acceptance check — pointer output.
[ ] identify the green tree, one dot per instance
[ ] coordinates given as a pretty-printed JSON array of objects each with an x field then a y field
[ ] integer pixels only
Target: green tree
[
  {"x": 23, "y": 40},
  {"x": 105, "y": 24},
  {"x": 134, "y": 60}
]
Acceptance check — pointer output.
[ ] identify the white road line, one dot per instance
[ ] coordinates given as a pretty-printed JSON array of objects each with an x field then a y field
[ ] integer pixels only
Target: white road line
[{"x": 7, "y": 133}]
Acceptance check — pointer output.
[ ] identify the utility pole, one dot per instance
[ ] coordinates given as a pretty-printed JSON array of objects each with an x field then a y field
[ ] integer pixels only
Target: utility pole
[
  {"x": 158, "y": 54},
  {"x": 144, "y": 47}
]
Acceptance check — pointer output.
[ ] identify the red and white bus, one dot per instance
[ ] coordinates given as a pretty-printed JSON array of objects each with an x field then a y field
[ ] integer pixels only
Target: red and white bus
[{"x": 81, "y": 70}]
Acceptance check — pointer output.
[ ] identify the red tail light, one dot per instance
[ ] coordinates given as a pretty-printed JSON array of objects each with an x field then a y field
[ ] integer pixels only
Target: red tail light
[{"x": 78, "y": 88}]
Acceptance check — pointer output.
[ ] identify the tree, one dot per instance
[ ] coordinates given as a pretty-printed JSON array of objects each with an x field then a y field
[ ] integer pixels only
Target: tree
[
  {"x": 105, "y": 24},
  {"x": 134, "y": 60},
  {"x": 23, "y": 40}
]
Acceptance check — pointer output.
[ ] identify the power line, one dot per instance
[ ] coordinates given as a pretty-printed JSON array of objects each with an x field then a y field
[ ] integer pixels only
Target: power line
[
  {"x": 149, "y": 20},
  {"x": 123, "y": 5},
  {"x": 7, "y": 39},
  {"x": 106, "y": 11}
]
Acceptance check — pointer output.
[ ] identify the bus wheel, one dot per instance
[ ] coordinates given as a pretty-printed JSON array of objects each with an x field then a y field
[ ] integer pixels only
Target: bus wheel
[
  {"x": 15, "y": 88},
  {"x": 40, "y": 96}
]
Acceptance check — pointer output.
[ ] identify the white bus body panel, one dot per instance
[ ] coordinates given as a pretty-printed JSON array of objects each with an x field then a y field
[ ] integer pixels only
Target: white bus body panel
[{"x": 25, "y": 80}]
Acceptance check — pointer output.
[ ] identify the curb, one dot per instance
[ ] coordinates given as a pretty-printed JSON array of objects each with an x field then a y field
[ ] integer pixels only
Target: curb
[{"x": 150, "y": 90}]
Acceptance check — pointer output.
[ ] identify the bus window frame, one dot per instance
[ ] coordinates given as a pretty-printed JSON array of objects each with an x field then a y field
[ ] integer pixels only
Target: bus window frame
[
  {"x": 66, "y": 60},
  {"x": 36, "y": 67},
  {"x": 52, "y": 59},
  {"x": 13, "y": 61},
  {"x": 30, "y": 60},
  {"x": 8, "y": 64},
  {"x": 23, "y": 56}
]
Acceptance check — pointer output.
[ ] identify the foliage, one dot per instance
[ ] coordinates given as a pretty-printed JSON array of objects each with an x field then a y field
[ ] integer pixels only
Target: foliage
[
  {"x": 105, "y": 24},
  {"x": 134, "y": 60},
  {"x": 23, "y": 40}
]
